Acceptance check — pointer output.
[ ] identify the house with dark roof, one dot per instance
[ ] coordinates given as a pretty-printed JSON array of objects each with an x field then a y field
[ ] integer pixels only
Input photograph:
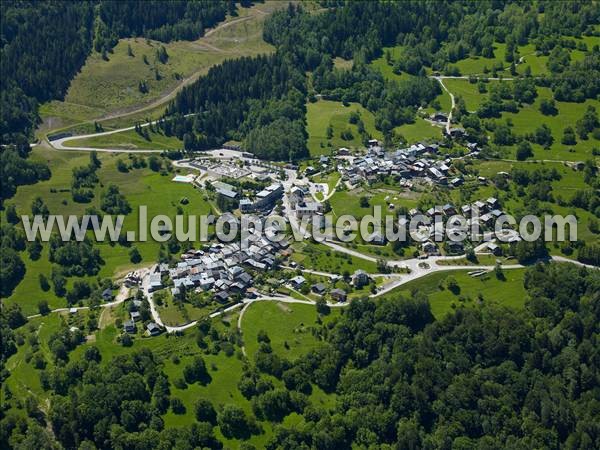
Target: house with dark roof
[
  {"x": 222, "y": 296},
  {"x": 107, "y": 294},
  {"x": 153, "y": 329},
  {"x": 360, "y": 278},
  {"x": 338, "y": 295},
  {"x": 319, "y": 288},
  {"x": 129, "y": 327}
]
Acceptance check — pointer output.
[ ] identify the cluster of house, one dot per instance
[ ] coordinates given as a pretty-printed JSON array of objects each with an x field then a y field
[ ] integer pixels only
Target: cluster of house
[
  {"x": 359, "y": 279},
  {"x": 130, "y": 326},
  {"x": 454, "y": 132},
  {"x": 417, "y": 161},
  {"x": 482, "y": 213},
  {"x": 132, "y": 279},
  {"x": 222, "y": 269},
  {"x": 303, "y": 203},
  {"x": 263, "y": 200}
]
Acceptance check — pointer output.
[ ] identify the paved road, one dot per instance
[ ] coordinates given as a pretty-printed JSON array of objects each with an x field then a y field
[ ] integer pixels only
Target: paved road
[
  {"x": 418, "y": 268},
  {"x": 59, "y": 144}
]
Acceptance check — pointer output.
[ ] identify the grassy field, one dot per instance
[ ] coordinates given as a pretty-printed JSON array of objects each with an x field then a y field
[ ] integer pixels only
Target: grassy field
[
  {"x": 387, "y": 70},
  {"x": 24, "y": 378},
  {"x": 420, "y": 130},
  {"x": 509, "y": 292},
  {"x": 324, "y": 113},
  {"x": 140, "y": 186},
  {"x": 172, "y": 315},
  {"x": 341, "y": 63},
  {"x": 319, "y": 257},
  {"x": 347, "y": 202},
  {"x": 468, "y": 91},
  {"x": 288, "y": 325},
  {"x": 476, "y": 65},
  {"x": 529, "y": 118},
  {"x": 111, "y": 86},
  {"x": 129, "y": 140}
]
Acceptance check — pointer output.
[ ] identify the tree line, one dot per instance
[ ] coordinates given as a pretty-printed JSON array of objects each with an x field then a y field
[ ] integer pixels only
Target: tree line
[{"x": 259, "y": 100}]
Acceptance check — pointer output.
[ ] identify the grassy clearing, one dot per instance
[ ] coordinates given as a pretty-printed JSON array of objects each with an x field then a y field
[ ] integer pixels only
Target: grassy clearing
[
  {"x": 24, "y": 378},
  {"x": 469, "y": 92},
  {"x": 387, "y": 70},
  {"x": 509, "y": 292},
  {"x": 325, "y": 113},
  {"x": 129, "y": 140},
  {"x": 319, "y": 257},
  {"x": 288, "y": 325},
  {"x": 347, "y": 202},
  {"x": 341, "y": 63},
  {"x": 110, "y": 86},
  {"x": 171, "y": 314},
  {"x": 420, "y": 130},
  {"x": 570, "y": 179},
  {"x": 476, "y": 64},
  {"x": 529, "y": 118},
  {"x": 537, "y": 62}
]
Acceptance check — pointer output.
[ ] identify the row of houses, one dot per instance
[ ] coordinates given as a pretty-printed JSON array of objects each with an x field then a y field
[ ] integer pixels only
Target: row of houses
[{"x": 359, "y": 279}]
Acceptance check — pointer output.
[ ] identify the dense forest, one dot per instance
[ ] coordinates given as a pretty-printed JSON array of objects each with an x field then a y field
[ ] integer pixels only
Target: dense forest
[
  {"x": 262, "y": 98},
  {"x": 157, "y": 19},
  {"x": 482, "y": 377},
  {"x": 43, "y": 46}
]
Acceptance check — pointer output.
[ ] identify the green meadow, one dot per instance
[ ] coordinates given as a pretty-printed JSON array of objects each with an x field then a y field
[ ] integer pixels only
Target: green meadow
[
  {"x": 322, "y": 258},
  {"x": 420, "y": 130},
  {"x": 529, "y": 117},
  {"x": 348, "y": 202},
  {"x": 509, "y": 292},
  {"x": 324, "y": 113},
  {"x": 288, "y": 325},
  {"x": 468, "y": 91}
]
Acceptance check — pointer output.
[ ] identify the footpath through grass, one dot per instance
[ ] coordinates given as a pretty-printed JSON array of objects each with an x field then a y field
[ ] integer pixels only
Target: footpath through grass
[{"x": 112, "y": 85}]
